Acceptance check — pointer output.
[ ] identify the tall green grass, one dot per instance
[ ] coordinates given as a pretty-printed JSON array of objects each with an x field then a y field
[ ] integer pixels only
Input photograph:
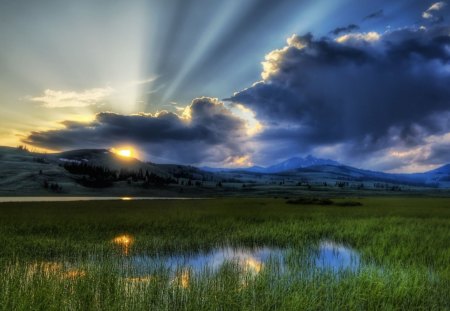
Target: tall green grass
[{"x": 47, "y": 249}]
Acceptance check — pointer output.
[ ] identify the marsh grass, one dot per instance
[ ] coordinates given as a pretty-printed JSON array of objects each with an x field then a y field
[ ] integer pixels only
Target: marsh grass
[{"x": 62, "y": 256}]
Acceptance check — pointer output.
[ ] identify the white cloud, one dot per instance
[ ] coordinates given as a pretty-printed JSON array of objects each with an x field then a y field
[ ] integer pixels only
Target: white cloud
[
  {"x": 89, "y": 97},
  {"x": 251, "y": 123},
  {"x": 367, "y": 37},
  {"x": 62, "y": 99},
  {"x": 143, "y": 81},
  {"x": 272, "y": 58},
  {"x": 433, "y": 8}
]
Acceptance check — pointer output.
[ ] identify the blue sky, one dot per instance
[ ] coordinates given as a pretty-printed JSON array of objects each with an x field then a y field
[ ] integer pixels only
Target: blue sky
[{"x": 81, "y": 62}]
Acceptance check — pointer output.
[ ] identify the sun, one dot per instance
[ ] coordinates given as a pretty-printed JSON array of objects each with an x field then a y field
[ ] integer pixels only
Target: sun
[{"x": 124, "y": 152}]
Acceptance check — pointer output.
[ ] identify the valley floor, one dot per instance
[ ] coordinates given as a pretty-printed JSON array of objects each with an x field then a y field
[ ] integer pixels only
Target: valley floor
[{"x": 392, "y": 253}]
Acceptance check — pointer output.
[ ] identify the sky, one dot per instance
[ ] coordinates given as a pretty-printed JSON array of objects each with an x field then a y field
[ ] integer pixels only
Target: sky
[{"x": 230, "y": 83}]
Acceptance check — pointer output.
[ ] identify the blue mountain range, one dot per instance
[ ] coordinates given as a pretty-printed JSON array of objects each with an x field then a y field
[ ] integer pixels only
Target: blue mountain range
[
  {"x": 287, "y": 165},
  {"x": 316, "y": 169}
]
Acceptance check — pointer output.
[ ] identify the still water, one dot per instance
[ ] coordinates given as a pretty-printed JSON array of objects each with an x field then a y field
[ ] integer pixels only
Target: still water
[
  {"x": 326, "y": 256},
  {"x": 71, "y": 199}
]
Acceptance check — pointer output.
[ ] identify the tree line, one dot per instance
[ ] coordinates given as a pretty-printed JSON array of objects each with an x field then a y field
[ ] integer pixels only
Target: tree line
[{"x": 99, "y": 176}]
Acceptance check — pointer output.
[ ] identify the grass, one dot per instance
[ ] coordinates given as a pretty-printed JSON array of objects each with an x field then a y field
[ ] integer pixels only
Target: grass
[{"x": 45, "y": 258}]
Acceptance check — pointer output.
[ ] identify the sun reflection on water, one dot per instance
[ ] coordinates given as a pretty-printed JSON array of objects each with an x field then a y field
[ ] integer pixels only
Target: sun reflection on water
[
  {"x": 51, "y": 269},
  {"x": 125, "y": 241},
  {"x": 182, "y": 278},
  {"x": 135, "y": 283},
  {"x": 252, "y": 265},
  {"x": 74, "y": 274}
]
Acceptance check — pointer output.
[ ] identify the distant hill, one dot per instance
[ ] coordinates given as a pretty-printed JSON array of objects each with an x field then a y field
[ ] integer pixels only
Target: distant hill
[
  {"x": 23, "y": 172},
  {"x": 297, "y": 162},
  {"x": 95, "y": 171},
  {"x": 441, "y": 170},
  {"x": 104, "y": 157},
  {"x": 348, "y": 173},
  {"x": 290, "y": 164},
  {"x": 313, "y": 169},
  {"x": 439, "y": 176}
]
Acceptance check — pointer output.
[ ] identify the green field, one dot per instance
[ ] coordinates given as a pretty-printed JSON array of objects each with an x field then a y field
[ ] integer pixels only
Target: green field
[{"x": 69, "y": 255}]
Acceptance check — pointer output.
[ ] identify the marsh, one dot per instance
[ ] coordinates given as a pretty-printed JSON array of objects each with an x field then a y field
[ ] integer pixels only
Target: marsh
[{"x": 239, "y": 254}]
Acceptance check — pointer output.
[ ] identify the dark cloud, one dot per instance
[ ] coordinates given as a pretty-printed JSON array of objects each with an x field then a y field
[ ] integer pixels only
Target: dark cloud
[
  {"x": 208, "y": 131},
  {"x": 346, "y": 29},
  {"x": 439, "y": 153},
  {"x": 374, "y": 15},
  {"x": 368, "y": 91}
]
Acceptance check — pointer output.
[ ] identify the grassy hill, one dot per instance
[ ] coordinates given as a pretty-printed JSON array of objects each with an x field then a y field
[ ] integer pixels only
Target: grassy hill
[
  {"x": 26, "y": 173},
  {"x": 100, "y": 172}
]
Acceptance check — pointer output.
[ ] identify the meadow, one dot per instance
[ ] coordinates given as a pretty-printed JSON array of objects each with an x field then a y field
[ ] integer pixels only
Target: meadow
[{"x": 76, "y": 255}]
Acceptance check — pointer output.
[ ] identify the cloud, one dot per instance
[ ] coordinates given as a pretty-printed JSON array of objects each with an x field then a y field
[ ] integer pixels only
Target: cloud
[
  {"x": 206, "y": 132},
  {"x": 358, "y": 37},
  {"x": 62, "y": 99},
  {"x": 89, "y": 97},
  {"x": 365, "y": 92},
  {"x": 346, "y": 29},
  {"x": 374, "y": 15},
  {"x": 429, "y": 13},
  {"x": 239, "y": 161},
  {"x": 431, "y": 153},
  {"x": 143, "y": 81}
]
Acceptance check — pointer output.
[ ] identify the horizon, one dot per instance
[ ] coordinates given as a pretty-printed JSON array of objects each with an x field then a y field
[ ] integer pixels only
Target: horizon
[
  {"x": 127, "y": 154},
  {"x": 230, "y": 84}
]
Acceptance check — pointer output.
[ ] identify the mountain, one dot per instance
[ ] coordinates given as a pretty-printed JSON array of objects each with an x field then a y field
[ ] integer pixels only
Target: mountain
[
  {"x": 348, "y": 173},
  {"x": 439, "y": 176},
  {"x": 315, "y": 170},
  {"x": 290, "y": 164},
  {"x": 443, "y": 170},
  {"x": 82, "y": 172},
  {"x": 297, "y": 162}
]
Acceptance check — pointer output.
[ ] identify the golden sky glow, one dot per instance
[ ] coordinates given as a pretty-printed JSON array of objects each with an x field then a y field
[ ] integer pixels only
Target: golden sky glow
[{"x": 240, "y": 161}]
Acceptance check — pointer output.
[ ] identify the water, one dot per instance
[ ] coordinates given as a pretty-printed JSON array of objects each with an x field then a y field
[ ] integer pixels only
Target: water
[
  {"x": 326, "y": 256},
  {"x": 248, "y": 259},
  {"x": 334, "y": 256},
  {"x": 72, "y": 199}
]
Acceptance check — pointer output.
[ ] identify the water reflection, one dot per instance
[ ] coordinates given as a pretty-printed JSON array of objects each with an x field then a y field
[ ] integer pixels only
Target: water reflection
[
  {"x": 124, "y": 241},
  {"x": 334, "y": 256},
  {"x": 249, "y": 260},
  {"x": 73, "y": 199},
  {"x": 327, "y": 255},
  {"x": 54, "y": 269},
  {"x": 140, "y": 270},
  {"x": 182, "y": 278},
  {"x": 74, "y": 274},
  {"x": 134, "y": 283}
]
